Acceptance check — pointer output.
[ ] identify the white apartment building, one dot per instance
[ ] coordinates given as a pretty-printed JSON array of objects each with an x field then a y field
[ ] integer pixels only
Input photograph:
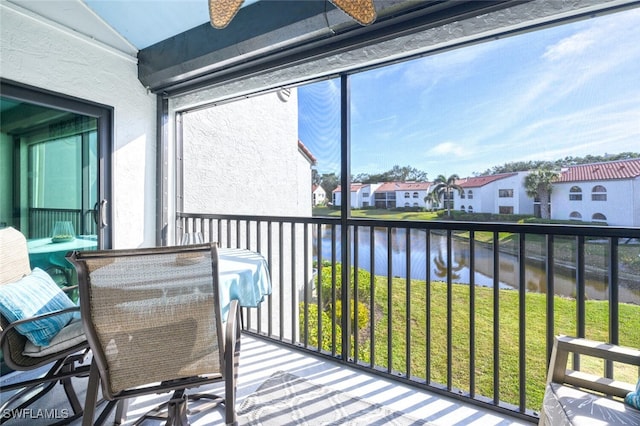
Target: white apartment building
[
  {"x": 503, "y": 194},
  {"x": 599, "y": 192}
]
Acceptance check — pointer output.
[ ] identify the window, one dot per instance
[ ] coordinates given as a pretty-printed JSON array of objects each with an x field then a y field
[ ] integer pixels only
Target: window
[
  {"x": 407, "y": 205},
  {"x": 598, "y": 217},
  {"x": 406, "y": 195},
  {"x": 470, "y": 210},
  {"x": 365, "y": 194},
  {"x": 470, "y": 194},
  {"x": 462, "y": 208},
  {"x": 575, "y": 194},
  {"x": 575, "y": 216},
  {"x": 461, "y": 194},
  {"x": 505, "y": 209},
  {"x": 415, "y": 195},
  {"x": 505, "y": 193},
  {"x": 599, "y": 193},
  {"x": 416, "y": 205}
]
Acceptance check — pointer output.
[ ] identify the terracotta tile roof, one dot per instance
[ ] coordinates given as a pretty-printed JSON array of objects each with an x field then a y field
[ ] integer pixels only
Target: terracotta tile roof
[
  {"x": 306, "y": 152},
  {"x": 623, "y": 169},
  {"x": 355, "y": 187},
  {"x": 403, "y": 186},
  {"x": 478, "y": 181}
]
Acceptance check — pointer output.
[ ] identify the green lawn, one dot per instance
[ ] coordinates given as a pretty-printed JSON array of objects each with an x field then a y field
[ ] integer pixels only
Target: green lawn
[
  {"x": 509, "y": 321},
  {"x": 383, "y": 214}
]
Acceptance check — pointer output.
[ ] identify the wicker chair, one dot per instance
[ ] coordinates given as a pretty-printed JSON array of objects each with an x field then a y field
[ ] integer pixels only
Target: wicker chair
[
  {"x": 64, "y": 355},
  {"x": 153, "y": 321}
]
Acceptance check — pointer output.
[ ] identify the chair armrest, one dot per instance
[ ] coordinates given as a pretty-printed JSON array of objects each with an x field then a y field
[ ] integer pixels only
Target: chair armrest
[
  {"x": 69, "y": 288},
  {"x": 14, "y": 324},
  {"x": 558, "y": 372}
]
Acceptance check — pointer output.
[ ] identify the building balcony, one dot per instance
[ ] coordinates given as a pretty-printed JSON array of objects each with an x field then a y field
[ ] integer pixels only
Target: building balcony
[{"x": 456, "y": 320}]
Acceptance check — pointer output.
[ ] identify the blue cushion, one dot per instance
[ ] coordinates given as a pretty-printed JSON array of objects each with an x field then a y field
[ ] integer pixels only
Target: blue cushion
[
  {"x": 35, "y": 294},
  {"x": 633, "y": 398}
]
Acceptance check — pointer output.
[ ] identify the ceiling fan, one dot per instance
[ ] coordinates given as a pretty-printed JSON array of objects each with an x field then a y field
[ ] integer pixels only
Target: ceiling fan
[{"x": 221, "y": 12}]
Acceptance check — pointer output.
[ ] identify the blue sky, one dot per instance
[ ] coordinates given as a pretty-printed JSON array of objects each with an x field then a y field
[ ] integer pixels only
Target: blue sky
[{"x": 570, "y": 90}]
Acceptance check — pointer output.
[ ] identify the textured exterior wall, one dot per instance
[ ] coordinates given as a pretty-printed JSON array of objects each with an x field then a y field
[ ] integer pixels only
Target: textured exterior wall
[
  {"x": 243, "y": 158},
  {"x": 43, "y": 55},
  {"x": 622, "y": 199}
]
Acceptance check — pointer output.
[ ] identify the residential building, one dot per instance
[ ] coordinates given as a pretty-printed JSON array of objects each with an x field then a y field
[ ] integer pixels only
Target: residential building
[
  {"x": 599, "y": 192},
  {"x": 499, "y": 194},
  {"x": 318, "y": 195},
  {"x": 361, "y": 195}
]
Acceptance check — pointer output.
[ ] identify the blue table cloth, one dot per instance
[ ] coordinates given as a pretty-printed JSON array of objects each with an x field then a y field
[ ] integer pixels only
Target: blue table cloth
[
  {"x": 244, "y": 276},
  {"x": 44, "y": 253}
]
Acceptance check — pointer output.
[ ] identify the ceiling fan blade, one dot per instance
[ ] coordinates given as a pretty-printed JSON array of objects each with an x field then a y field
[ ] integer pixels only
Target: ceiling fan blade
[
  {"x": 221, "y": 12},
  {"x": 362, "y": 11}
]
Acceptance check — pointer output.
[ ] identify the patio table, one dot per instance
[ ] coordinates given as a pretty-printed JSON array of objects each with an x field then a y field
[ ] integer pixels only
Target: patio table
[
  {"x": 44, "y": 252},
  {"x": 243, "y": 276},
  {"x": 47, "y": 255}
]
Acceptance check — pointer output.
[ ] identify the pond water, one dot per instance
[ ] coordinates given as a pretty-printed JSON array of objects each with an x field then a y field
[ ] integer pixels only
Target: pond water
[{"x": 596, "y": 286}]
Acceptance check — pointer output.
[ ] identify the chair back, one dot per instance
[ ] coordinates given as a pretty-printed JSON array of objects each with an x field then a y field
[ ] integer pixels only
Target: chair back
[
  {"x": 151, "y": 315},
  {"x": 14, "y": 256},
  {"x": 14, "y": 261}
]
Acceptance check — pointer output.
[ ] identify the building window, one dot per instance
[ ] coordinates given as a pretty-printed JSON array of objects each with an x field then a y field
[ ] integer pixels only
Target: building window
[
  {"x": 599, "y": 193},
  {"x": 462, "y": 194},
  {"x": 505, "y": 193},
  {"x": 406, "y": 195},
  {"x": 575, "y": 193},
  {"x": 470, "y": 209},
  {"x": 505, "y": 209},
  {"x": 365, "y": 194},
  {"x": 407, "y": 205},
  {"x": 575, "y": 216},
  {"x": 462, "y": 208},
  {"x": 470, "y": 194},
  {"x": 416, "y": 205},
  {"x": 415, "y": 195},
  {"x": 598, "y": 217}
]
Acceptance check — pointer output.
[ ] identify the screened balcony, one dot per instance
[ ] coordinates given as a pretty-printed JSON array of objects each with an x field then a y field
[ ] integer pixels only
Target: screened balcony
[{"x": 459, "y": 316}]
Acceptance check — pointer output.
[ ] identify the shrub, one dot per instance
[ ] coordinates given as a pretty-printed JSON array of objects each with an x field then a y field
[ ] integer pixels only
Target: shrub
[
  {"x": 363, "y": 314},
  {"x": 313, "y": 328},
  {"x": 364, "y": 283}
]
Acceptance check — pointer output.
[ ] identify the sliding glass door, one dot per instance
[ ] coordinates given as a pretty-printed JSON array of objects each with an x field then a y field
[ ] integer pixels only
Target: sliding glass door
[{"x": 54, "y": 175}]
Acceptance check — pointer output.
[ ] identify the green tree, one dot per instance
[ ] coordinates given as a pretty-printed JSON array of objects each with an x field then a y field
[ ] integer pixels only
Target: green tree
[
  {"x": 444, "y": 188},
  {"x": 329, "y": 182},
  {"x": 538, "y": 183},
  {"x": 395, "y": 174},
  {"x": 433, "y": 199}
]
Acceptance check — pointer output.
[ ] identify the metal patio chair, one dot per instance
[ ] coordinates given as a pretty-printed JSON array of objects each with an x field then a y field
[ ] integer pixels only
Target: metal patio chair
[
  {"x": 153, "y": 321},
  {"x": 61, "y": 360}
]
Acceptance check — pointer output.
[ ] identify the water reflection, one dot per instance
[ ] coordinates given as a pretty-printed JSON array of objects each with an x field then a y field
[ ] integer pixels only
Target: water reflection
[{"x": 434, "y": 267}]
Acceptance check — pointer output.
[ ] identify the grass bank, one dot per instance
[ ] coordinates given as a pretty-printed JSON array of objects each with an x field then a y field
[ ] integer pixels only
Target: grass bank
[{"x": 433, "y": 351}]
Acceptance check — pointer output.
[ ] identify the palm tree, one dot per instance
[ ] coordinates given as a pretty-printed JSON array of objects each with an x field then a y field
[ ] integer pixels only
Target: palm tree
[
  {"x": 444, "y": 188},
  {"x": 433, "y": 199},
  {"x": 538, "y": 183}
]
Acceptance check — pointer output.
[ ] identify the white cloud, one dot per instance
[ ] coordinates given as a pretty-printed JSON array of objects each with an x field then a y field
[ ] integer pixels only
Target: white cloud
[
  {"x": 449, "y": 148},
  {"x": 570, "y": 46}
]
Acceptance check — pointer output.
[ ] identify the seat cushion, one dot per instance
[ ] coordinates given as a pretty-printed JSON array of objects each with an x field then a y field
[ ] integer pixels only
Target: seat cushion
[
  {"x": 68, "y": 337},
  {"x": 566, "y": 405},
  {"x": 633, "y": 398},
  {"x": 35, "y": 294}
]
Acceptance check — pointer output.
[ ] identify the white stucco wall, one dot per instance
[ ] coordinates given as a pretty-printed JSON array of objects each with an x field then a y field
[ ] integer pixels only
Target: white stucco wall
[
  {"x": 42, "y": 54},
  {"x": 243, "y": 158},
  {"x": 621, "y": 207},
  {"x": 521, "y": 202}
]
